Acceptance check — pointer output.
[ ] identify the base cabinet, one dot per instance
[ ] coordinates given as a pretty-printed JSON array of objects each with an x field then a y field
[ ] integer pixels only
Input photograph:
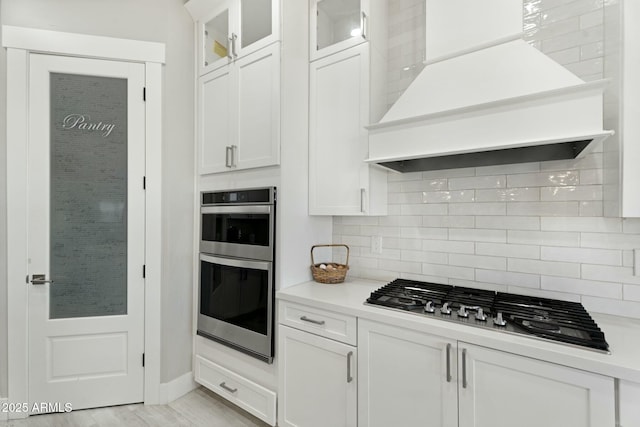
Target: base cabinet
[
  {"x": 318, "y": 386},
  {"x": 498, "y": 389},
  {"x": 410, "y": 378},
  {"x": 248, "y": 395},
  {"x": 405, "y": 378},
  {"x": 629, "y": 403}
]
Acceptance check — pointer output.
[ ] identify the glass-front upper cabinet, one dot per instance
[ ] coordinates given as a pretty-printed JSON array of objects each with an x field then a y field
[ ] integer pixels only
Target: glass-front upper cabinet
[
  {"x": 217, "y": 40},
  {"x": 231, "y": 29},
  {"x": 337, "y": 25}
]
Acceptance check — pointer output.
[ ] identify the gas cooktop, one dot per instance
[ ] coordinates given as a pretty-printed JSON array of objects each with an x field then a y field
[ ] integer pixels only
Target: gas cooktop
[{"x": 543, "y": 318}]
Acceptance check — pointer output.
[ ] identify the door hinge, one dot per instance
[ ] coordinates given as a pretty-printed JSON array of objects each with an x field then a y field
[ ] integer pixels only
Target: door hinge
[
  {"x": 144, "y": 182},
  {"x": 144, "y": 271},
  {"x": 143, "y": 360},
  {"x": 144, "y": 93}
]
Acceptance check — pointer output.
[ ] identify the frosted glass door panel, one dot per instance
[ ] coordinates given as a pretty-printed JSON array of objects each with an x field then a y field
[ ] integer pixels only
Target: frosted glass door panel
[
  {"x": 88, "y": 198},
  {"x": 337, "y": 20},
  {"x": 256, "y": 20},
  {"x": 216, "y": 38}
]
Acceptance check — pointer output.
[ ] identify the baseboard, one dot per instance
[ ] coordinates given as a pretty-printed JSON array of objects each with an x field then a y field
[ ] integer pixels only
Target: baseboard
[
  {"x": 4, "y": 415},
  {"x": 176, "y": 388}
]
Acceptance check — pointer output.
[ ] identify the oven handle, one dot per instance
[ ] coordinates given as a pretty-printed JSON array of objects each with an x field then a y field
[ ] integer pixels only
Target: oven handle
[
  {"x": 260, "y": 209},
  {"x": 236, "y": 262}
]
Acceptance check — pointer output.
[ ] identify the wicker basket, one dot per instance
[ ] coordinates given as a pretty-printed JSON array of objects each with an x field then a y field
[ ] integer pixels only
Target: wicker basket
[{"x": 333, "y": 272}]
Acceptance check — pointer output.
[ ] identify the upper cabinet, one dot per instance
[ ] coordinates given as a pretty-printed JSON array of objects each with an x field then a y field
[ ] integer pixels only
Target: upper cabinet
[
  {"x": 340, "y": 182},
  {"x": 239, "y": 83},
  {"x": 239, "y": 114},
  {"x": 337, "y": 25},
  {"x": 347, "y": 73},
  {"x": 231, "y": 29}
]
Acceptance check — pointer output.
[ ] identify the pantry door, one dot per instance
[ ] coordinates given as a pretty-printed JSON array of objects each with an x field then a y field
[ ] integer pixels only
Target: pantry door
[{"x": 86, "y": 163}]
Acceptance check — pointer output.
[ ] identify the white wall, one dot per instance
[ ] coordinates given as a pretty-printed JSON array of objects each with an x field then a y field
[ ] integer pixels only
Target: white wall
[{"x": 163, "y": 21}]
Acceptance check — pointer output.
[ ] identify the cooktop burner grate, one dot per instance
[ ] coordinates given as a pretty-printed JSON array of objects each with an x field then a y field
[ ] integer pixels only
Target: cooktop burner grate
[{"x": 556, "y": 320}]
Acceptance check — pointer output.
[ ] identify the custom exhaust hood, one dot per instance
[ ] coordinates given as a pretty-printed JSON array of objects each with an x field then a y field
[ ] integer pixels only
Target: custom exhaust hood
[{"x": 486, "y": 97}]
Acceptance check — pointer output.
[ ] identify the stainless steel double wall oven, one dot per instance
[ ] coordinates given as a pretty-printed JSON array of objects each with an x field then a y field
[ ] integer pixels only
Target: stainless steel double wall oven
[{"x": 237, "y": 254}]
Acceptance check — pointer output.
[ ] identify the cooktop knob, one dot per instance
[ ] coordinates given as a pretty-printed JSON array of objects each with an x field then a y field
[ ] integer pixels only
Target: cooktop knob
[
  {"x": 429, "y": 308},
  {"x": 445, "y": 309},
  {"x": 499, "y": 320},
  {"x": 480, "y": 315},
  {"x": 463, "y": 311}
]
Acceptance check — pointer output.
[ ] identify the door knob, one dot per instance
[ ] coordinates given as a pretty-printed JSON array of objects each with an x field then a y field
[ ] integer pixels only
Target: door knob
[{"x": 40, "y": 279}]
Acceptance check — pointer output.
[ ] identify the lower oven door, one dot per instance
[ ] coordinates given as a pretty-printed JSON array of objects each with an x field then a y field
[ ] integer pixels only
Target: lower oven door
[{"x": 236, "y": 304}]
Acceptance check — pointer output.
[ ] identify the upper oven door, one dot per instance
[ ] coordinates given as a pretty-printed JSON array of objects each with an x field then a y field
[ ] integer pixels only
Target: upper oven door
[{"x": 239, "y": 231}]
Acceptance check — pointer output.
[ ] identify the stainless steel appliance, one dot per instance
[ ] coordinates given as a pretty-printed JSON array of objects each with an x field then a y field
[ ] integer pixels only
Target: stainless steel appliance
[
  {"x": 237, "y": 253},
  {"x": 543, "y": 318}
]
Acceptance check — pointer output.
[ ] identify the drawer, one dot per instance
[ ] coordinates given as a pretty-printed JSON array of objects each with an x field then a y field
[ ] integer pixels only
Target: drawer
[
  {"x": 336, "y": 326},
  {"x": 248, "y": 395}
]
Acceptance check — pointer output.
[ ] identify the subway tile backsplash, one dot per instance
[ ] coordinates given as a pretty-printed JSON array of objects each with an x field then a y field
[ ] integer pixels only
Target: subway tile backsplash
[{"x": 541, "y": 246}]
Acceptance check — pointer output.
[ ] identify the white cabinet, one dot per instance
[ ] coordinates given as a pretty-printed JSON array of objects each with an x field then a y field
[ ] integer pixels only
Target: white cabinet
[
  {"x": 239, "y": 113},
  {"x": 231, "y": 29},
  {"x": 460, "y": 384},
  {"x": 621, "y": 152},
  {"x": 318, "y": 386},
  {"x": 328, "y": 324},
  {"x": 317, "y": 367},
  {"x": 245, "y": 393},
  {"x": 629, "y": 403},
  {"x": 405, "y": 378},
  {"x": 340, "y": 183},
  {"x": 337, "y": 25},
  {"x": 498, "y": 389}
]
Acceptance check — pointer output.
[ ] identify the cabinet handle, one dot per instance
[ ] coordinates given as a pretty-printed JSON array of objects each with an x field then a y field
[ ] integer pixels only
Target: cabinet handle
[
  {"x": 364, "y": 21},
  {"x": 362, "y": 201},
  {"x": 230, "y": 48},
  {"x": 234, "y": 155},
  {"x": 448, "y": 363},
  {"x": 464, "y": 368},
  {"x": 317, "y": 322},
  {"x": 349, "y": 357},
  {"x": 227, "y": 160},
  {"x": 234, "y": 37},
  {"x": 226, "y": 387}
]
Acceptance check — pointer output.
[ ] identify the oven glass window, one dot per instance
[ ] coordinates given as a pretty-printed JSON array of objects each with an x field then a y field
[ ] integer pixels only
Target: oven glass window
[
  {"x": 246, "y": 229},
  {"x": 235, "y": 295}
]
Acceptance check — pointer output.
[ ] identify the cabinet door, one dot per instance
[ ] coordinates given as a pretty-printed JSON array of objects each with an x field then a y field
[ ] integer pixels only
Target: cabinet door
[
  {"x": 215, "y": 121},
  {"x": 258, "y": 109},
  {"x": 629, "y": 403},
  {"x": 405, "y": 378},
  {"x": 337, "y": 25},
  {"x": 317, "y": 381},
  {"x": 214, "y": 39},
  {"x": 258, "y": 25},
  {"x": 339, "y": 109},
  {"x": 498, "y": 389}
]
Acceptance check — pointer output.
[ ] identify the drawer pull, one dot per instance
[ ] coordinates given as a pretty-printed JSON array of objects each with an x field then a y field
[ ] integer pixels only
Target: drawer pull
[
  {"x": 349, "y": 356},
  {"x": 316, "y": 322},
  {"x": 448, "y": 363},
  {"x": 464, "y": 368},
  {"x": 226, "y": 387}
]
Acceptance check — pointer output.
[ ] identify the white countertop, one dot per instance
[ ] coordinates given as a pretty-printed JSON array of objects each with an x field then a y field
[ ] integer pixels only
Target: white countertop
[{"x": 622, "y": 334}]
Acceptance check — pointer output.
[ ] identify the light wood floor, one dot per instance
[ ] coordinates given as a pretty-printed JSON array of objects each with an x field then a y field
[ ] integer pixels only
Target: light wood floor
[{"x": 201, "y": 407}]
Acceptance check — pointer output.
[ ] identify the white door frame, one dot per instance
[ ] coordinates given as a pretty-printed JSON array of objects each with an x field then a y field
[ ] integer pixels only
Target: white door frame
[{"x": 20, "y": 42}]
